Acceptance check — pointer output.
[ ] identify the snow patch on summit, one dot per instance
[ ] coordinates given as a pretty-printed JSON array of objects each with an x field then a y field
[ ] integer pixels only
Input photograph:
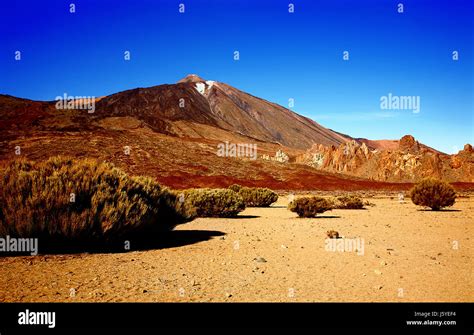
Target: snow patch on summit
[{"x": 201, "y": 88}]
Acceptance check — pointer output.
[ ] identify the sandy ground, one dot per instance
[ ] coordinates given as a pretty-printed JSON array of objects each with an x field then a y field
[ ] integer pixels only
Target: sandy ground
[{"x": 409, "y": 255}]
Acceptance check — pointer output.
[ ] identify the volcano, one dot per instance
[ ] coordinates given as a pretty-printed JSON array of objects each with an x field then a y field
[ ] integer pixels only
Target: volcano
[
  {"x": 172, "y": 132},
  {"x": 180, "y": 109}
]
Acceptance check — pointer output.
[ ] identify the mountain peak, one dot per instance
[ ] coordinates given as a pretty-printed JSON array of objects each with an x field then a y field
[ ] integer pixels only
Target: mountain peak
[{"x": 191, "y": 78}]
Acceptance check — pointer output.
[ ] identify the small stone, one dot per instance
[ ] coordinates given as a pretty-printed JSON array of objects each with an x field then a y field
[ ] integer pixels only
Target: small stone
[
  {"x": 284, "y": 246},
  {"x": 145, "y": 291},
  {"x": 222, "y": 237},
  {"x": 377, "y": 272},
  {"x": 383, "y": 263},
  {"x": 228, "y": 295},
  {"x": 260, "y": 260},
  {"x": 363, "y": 275},
  {"x": 378, "y": 287}
]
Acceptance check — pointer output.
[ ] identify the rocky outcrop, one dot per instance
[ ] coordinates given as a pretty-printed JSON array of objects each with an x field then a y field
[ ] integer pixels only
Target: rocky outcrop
[
  {"x": 408, "y": 144},
  {"x": 280, "y": 156},
  {"x": 467, "y": 149},
  {"x": 410, "y": 162}
]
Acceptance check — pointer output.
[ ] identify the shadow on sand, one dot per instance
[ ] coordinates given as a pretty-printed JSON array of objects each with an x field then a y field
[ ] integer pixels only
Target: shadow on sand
[
  {"x": 171, "y": 239},
  {"x": 177, "y": 238},
  {"x": 440, "y": 210},
  {"x": 318, "y": 217},
  {"x": 244, "y": 217}
]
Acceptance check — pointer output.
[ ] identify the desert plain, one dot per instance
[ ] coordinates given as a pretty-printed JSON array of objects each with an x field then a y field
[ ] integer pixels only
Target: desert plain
[{"x": 270, "y": 255}]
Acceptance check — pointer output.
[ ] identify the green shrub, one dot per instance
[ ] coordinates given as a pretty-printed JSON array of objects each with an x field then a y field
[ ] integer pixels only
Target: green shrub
[
  {"x": 257, "y": 197},
  {"x": 214, "y": 202},
  {"x": 348, "y": 202},
  {"x": 308, "y": 207},
  {"x": 65, "y": 199},
  {"x": 433, "y": 193}
]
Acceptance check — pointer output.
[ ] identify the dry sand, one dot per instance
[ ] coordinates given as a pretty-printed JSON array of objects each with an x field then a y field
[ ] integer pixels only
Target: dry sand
[{"x": 409, "y": 255}]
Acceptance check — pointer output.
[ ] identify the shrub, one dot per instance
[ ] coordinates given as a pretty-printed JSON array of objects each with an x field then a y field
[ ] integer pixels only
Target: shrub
[
  {"x": 64, "y": 199},
  {"x": 308, "y": 207},
  {"x": 214, "y": 202},
  {"x": 368, "y": 203},
  {"x": 332, "y": 234},
  {"x": 433, "y": 193},
  {"x": 349, "y": 202},
  {"x": 235, "y": 187},
  {"x": 257, "y": 197}
]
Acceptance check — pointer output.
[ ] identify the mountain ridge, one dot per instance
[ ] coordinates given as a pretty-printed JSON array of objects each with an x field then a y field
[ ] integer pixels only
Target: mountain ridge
[{"x": 178, "y": 126}]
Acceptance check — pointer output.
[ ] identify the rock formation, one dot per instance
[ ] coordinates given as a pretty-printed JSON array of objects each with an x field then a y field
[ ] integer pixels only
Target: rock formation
[{"x": 411, "y": 161}]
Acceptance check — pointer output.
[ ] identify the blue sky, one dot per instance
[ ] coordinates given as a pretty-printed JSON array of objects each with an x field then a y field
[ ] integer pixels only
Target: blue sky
[{"x": 282, "y": 55}]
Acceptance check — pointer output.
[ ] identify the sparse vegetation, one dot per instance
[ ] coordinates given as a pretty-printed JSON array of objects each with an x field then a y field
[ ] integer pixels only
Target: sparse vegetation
[
  {"x": 308, "y": 207},
  {"x": 235, "y": 187},
  {"x": 214, "y": 202},
  {"x": 433, "y": 193},
  {"x": 257, "y": 197},
  {"x": 348, "y": 202},
  {"x": 368, "y": 203},
  {"x": 332, "y": 234},
  {"x": 67, "y": 199}
]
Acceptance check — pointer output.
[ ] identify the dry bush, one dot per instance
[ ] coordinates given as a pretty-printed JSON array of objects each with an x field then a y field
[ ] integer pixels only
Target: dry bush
[
  {"x": 235, "y": 187},
  {"x": 348, "y": 202},
  {"x": 308, "y": 207},
  {"x": 257, "y": 197},
  {"x": 66, "y": 199},
  {"x": 332, "y": 234},
  {"x": 368, "y": 203},
  {"x": 433, "y": 193},
  {"x": 214, "y": 202}
]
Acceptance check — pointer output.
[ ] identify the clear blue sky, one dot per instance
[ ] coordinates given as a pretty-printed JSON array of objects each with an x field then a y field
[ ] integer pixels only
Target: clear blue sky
[{"x": 282, "y": 56}]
